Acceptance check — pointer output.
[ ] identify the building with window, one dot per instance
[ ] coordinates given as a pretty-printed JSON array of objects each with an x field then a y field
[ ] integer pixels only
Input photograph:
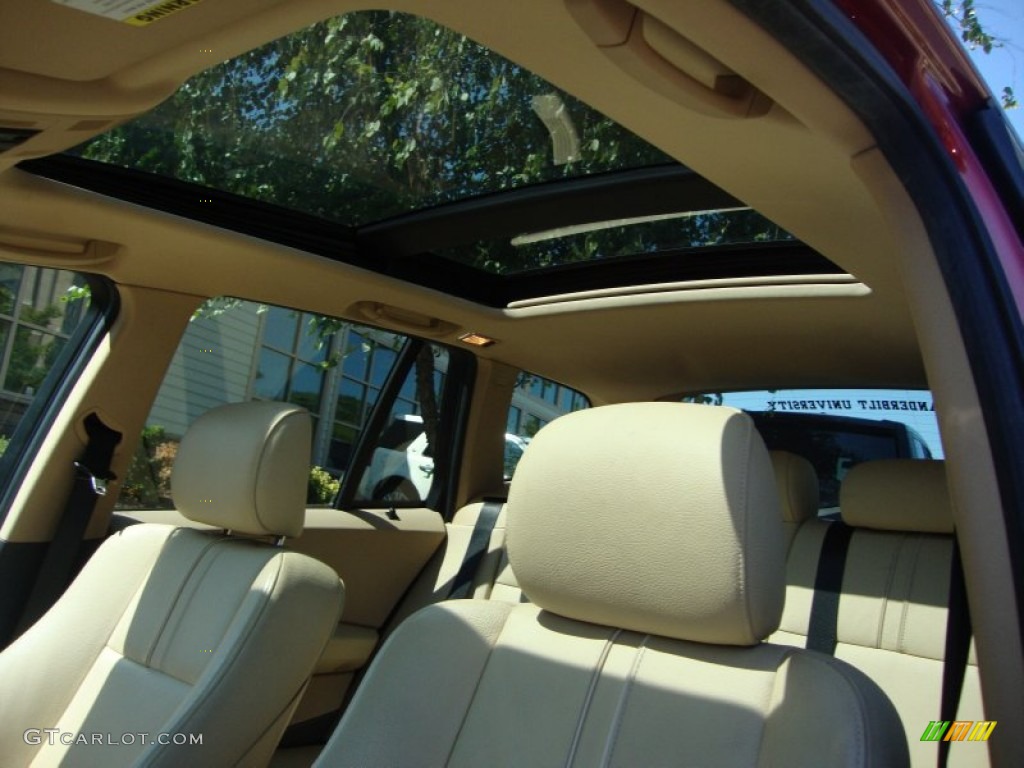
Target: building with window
[{"x": 39, "y": 310}]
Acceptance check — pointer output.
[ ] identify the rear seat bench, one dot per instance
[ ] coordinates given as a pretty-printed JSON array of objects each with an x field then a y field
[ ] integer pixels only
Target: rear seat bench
[{"x": 894, "y": 601}]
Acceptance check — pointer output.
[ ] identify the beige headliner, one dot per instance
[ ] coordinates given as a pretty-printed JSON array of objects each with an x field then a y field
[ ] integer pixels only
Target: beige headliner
[{"x": 793, "y": 164}]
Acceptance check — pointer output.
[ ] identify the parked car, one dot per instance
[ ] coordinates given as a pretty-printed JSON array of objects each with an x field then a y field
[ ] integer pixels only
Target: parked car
[{"x": 402, "y": 467}]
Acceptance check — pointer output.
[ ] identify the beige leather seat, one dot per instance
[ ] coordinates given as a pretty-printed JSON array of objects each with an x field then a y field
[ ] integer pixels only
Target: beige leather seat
[
  {"x": 648, "y": 538},
  {"x": 895, "y": 594},
  {"x": 175, "y": 631}
]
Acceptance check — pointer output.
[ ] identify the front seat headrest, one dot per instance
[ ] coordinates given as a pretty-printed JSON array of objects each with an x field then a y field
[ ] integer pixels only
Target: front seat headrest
[
  {"x": 245, "y": 467},
  {"x": 661, "y": 518}
]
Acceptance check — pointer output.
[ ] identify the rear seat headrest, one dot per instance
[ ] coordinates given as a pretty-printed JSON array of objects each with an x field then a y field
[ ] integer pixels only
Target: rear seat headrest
[
  {"x": 660, "y": 518},
  {"x": 797, "y": 484},
  {"x": 245, "y": 467},
  {"x": 897, "y": 495}
]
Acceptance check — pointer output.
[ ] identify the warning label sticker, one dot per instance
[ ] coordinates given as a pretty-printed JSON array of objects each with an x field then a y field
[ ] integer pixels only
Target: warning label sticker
[{"x": 138, "y": 13}]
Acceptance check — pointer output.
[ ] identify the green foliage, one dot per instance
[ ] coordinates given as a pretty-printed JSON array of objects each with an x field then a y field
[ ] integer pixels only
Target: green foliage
[
  {"x": 4, "y": 442},
  {"x": 41, "y": 316},
  {"x": 147, "y": 484},
  {"x": 965, "y": 16},
  {"x": 32, "y": 356},
  {"x": 322, "y": 486},
  {"x": 1007, "y": 99},
  {"x": 77, "y": 293}
]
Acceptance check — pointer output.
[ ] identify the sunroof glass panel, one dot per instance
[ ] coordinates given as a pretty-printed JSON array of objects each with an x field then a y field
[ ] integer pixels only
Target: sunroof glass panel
[
  {"x": 618, "y": 238},
  {"x": 367, "y": 116}
]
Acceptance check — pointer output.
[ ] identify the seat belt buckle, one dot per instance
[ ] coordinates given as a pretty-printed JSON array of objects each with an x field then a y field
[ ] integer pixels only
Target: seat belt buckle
[{"x": 97, "y": 482}]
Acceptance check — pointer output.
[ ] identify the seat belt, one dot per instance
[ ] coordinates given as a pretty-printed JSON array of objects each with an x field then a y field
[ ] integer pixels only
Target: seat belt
[
  {"x": 822, "y": 629},
  {"x": 480, "y": 539},
  {"x": 958, "y": 646},
  {"x": 92, "y": 473}
]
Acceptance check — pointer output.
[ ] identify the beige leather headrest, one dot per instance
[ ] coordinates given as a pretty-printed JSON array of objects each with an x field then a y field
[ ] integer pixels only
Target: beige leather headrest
[
  {"x": 246, "y": 467},
  {"x": 797, "y": 484},
  {"x": 897, "y": 495},
  {"x": 660, "y": 518}
]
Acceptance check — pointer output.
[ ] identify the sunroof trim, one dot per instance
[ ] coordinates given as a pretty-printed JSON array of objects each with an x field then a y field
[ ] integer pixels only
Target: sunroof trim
[
  {"x": 597, "y": 226},
  {"x": 782, "y": 286}
]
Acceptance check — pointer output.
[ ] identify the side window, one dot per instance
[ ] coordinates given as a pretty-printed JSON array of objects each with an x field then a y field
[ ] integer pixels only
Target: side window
[
  {"x": 536, "y": 401},
  {"x": 40, "y": 309},
  {"x": 404, "y": 463},
  {"x": 235, "y": 351}
]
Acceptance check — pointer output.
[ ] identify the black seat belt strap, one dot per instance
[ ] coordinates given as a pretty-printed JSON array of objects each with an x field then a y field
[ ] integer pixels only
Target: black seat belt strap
[
  {"x": 822, "y": 630},
  {"x": 92, "y": 473},
  {"x": 958, "y": 646},
  {"x": 462, "y": 584}
]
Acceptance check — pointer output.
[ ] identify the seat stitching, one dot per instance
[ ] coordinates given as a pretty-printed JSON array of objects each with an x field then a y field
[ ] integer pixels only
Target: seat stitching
[
  {"x": 620, "y": 708},
  {"x": 745, "y": 593},
  {"x": 905, "y": 613},
  {"x": 236, "y": 651},
  {"x": 887, "y": 591},
  {"x": 786, "y": 656},
  {"x": 476, "y": 688},
  {"x": 158, "y": 636},
  {"x": 585, "y": 708}
]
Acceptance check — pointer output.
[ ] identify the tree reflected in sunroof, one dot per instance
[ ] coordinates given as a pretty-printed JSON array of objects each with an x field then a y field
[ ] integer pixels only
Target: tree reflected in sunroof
[{"x": 367, "y": 116}]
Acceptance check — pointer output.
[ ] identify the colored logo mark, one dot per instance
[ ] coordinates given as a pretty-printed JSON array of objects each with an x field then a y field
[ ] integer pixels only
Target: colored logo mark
[{"x": 958, "y": 730}]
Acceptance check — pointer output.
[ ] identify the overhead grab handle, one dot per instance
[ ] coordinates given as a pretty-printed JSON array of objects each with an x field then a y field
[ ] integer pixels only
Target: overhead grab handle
[{"x": 661, "y": 59}]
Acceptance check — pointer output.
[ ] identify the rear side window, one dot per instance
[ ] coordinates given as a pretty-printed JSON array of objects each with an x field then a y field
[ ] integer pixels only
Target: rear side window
[
  {"x": 838, "y": 429},
  {"x": 236, "y": 351},
  {"x": 536, "y": 401}
]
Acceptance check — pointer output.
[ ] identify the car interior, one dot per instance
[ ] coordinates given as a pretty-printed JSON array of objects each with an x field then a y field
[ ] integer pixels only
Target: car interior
[{"x": 421, "y": 339}]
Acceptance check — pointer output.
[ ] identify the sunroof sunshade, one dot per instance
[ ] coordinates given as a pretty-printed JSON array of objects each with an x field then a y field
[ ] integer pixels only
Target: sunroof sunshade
[{"x": 368, "y": 116}]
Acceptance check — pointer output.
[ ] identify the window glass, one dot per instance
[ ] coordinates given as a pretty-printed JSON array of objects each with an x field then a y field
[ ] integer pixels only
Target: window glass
[
  {"x": 369, "y": 115},
  {"x": 838, "y": 429},
  {"x": 536, "y": 401},
  {"x": 234, "y": 351},
  {"x": 403, "y": 465},
  {"x": 39, "y": 311}
]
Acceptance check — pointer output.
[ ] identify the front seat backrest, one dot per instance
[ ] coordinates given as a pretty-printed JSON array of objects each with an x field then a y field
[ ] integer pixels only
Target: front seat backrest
[
  {"x": 170, "y": 633},
  {"x": 648, "y": 538}
]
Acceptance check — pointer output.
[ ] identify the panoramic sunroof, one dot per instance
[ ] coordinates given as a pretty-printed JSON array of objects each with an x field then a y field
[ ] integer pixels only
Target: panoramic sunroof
[
  {"x": 385, "y": 141},
  {"x": 367, "y": 116}
]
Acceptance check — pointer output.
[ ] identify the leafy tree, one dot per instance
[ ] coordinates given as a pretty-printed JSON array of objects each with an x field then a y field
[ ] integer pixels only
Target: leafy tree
[{"x": 963, "y": 17}]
